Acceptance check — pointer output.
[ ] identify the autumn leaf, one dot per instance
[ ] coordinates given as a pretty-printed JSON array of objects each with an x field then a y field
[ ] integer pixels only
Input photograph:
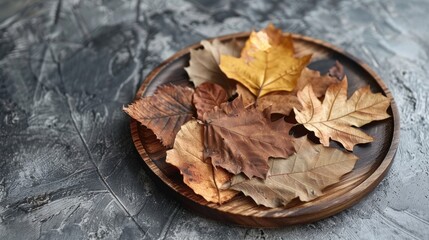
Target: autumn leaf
[
  {"x": 334, "y": 118},
  {"x": 207, "y": 96},
  {"x": 304, "y": 175},
  {"x": 241, "y": 140},
  {"x": 164, "y": 112},
  {"x": 265, "y": 67},
  {"x": 204, "y": 63},
  {"x": 198, "y": 174}
]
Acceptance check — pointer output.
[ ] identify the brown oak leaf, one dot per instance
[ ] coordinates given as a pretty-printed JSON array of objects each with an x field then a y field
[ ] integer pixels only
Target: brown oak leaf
[
  {"x": 204, "y": 63},
  {"x": 164, "y": 112},
  {"x": 334, "y": 118},
  {"x": 241, "y": 140},
  {"x": 265, "y": 65},
  {"x": 207, "y": 96},
  {"x": 304, "y": 174},
  {"x": 199, "y": 174}
]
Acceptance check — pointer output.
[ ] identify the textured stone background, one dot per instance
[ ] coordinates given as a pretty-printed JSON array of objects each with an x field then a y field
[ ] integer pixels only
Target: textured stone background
[{"x": 68, "y": 167}]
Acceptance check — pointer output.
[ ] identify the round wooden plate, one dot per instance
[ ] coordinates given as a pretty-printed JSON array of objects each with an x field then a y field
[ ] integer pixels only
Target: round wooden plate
[{"x": 374, "y": 158}]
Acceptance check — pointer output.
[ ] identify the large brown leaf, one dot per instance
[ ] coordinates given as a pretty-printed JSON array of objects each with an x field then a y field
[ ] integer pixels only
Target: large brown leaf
[
  {"x": 241, "y": 140},
  {"x": 164, "y": 112},
  {"x": 204, "y": 63},
  {"x": 335, "y": 117},
  {"x": 304, "y": 175},
  {"x": 198, "y": 174},
  {"x": 266, "y": 65},
  {"x": 207, "y": 96}
]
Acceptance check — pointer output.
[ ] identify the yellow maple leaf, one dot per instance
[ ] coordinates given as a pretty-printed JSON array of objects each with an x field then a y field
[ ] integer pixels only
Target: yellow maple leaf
[{"x": 266, "y": 64}]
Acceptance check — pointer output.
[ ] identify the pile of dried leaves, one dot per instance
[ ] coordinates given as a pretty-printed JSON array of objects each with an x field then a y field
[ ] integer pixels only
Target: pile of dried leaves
[{"x": 222, "y": 136}]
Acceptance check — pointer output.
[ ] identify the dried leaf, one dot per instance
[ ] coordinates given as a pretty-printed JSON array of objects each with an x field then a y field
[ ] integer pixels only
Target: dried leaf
[
  {"x": 204, "y": 63},
  {"x": 336, "y": 116},
  {"x": 207, "y": 96},
  {"x": 199, "y": 175},
  {"x": 164, "y": 112},
  {"x": 265, "y": 65},
  {"x": 304, "y": 175},
  {"x": 241, "y": 140}
]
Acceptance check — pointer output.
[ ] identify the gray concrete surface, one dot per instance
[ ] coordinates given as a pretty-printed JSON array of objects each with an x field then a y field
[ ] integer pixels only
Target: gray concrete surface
[{"x": 68, "y": 168}]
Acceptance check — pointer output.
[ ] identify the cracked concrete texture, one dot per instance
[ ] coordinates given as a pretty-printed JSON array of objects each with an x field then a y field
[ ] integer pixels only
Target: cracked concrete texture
[{"x": 68, "y": 165}]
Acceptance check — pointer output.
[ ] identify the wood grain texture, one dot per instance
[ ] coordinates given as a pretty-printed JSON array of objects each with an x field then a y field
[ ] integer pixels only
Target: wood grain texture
[{"x": 375, "y": 158}]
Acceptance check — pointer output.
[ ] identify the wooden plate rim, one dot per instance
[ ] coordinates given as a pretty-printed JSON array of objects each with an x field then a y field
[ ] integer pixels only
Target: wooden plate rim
[{"x": 290, "y": 217}]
